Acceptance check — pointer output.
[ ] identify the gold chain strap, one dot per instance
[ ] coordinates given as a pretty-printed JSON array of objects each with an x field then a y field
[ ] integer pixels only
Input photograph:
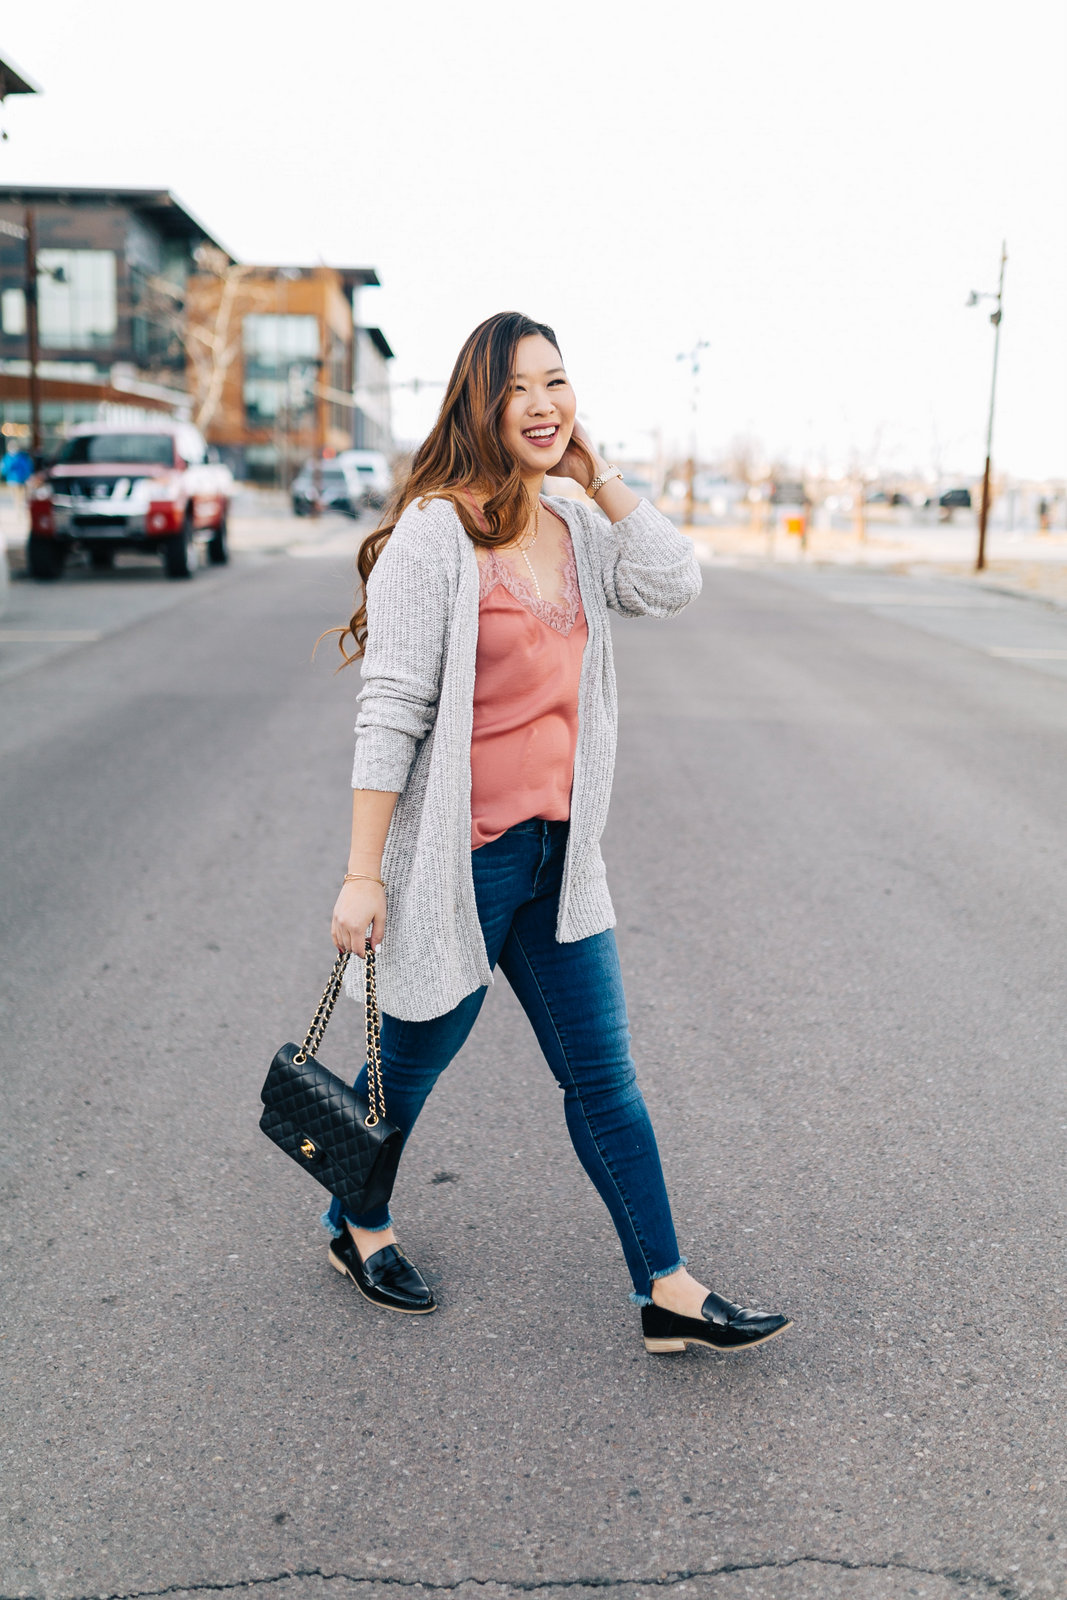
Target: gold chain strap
[
  {"x": 324, "y": 1011},
  {"x": 314, "y": 1036},
  {"x": 375, "y": 1092}
]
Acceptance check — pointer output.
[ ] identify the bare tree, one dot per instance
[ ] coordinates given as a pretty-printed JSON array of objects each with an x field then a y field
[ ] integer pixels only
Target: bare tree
[
  {"x": 206, "y": 324},
  {"x": 744, "y": 459}
]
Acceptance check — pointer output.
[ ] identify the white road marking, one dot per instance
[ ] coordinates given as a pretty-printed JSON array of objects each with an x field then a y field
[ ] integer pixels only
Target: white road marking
[
  {"x": 52, "y": 636},
  {"x": 939, "y": 602},
  {"x": 1027, "y": 655}
]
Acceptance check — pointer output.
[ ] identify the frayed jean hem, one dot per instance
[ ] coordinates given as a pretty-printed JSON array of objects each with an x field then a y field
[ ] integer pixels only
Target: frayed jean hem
[
  {"x": 646, "y": 1299},
  {"x": 338, "y": 1233}
]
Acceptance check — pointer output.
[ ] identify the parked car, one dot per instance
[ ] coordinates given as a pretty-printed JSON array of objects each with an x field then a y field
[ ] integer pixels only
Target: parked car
[
  {"x": 887, "y": 497},
  {"x": 130, "y": 486},
  {"x": 953, "y": 499},
  {"x": 339, "y": 488},
  {"x": 374, "y": 475},
  {"x": 788, "y": 492}
]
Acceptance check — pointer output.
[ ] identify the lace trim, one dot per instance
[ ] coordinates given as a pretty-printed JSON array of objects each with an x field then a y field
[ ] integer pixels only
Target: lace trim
[{"x": 561, "y": 615}]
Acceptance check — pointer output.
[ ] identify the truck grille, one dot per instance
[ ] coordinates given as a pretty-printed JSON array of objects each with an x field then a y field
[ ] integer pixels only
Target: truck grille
[{"x": 93, "y": 488}]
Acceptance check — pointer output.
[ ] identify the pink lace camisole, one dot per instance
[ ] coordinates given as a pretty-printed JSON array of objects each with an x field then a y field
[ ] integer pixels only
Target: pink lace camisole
[{"x": 525, "y": 698}]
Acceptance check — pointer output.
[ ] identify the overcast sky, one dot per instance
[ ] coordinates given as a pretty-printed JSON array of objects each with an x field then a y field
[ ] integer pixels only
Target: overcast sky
[{"x": 813, "y": 189}]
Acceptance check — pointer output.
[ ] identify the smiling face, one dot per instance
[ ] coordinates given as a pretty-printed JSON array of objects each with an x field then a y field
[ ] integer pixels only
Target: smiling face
[{"x": 538, "y": 420}]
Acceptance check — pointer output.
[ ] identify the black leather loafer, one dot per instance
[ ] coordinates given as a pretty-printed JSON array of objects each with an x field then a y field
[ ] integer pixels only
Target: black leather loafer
[
  {"x": 387, "y": 1277},
  {"x": 721, "y": 1326}
]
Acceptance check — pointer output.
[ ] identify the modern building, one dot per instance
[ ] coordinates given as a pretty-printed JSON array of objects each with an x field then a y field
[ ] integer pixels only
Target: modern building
[
  {"x": 289, "y": 370},
  {"x": 141, "y": 310},
  {"x": 112, "y": 265},
  {"x": 373, "y": 388}
]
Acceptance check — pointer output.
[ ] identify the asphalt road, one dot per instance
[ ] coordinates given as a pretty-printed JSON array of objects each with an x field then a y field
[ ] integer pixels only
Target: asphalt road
[{"x": 837, "y": 853}]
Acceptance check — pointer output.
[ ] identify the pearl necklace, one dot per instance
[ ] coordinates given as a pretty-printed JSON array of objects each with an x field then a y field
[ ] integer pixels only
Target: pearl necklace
[{"x": 529, "y": 545}]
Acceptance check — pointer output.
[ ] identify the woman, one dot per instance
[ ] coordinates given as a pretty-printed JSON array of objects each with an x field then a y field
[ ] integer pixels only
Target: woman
[{"x": 485, "y": 746}]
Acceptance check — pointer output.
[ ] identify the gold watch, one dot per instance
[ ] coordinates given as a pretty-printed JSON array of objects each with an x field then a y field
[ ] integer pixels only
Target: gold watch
[{"x": 605, "y": 477}]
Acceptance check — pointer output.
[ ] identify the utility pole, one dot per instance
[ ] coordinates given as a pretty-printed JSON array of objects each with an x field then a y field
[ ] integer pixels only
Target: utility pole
[
  {"x": 318, "y": 435},
  {"x": 28, "y": 235},
  {"x": 693, "y": 357},
  {"x": 859, "y": 510},
  {"x": 32, "y": 336},
  {"x": 995, "y": 319}
]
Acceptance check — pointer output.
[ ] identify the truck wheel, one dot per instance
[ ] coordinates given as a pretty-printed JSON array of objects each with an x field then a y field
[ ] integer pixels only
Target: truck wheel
[
  {"x": 45, "y": 558},
  {"x": 179, "y": 557},
  {"x": 218, "y": 551},
  {"x": 101, "y": 558}
]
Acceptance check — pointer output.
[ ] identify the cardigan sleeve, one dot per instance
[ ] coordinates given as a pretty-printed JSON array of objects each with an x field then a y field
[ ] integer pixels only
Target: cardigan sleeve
[
  {"x": 407, "y": 610},
  {"x": 649, "y": 568}
]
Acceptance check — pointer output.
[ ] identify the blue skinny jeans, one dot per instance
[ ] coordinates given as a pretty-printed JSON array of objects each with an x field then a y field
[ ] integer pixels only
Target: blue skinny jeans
[{"x": 573, "y": 996}]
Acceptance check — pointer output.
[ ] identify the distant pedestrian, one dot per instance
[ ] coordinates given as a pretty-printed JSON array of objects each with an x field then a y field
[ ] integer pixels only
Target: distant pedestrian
[
  {"x": 1043, "y": 519},
  {"x": 16, "y": 468},
  {"x": 485, "y": 747}
]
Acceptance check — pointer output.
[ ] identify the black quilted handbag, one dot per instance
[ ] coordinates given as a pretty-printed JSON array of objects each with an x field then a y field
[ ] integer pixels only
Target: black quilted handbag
[{"x": 327, "y": 1128}]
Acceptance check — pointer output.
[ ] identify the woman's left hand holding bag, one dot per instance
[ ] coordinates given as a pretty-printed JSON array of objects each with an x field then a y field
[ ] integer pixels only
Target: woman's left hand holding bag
[{"x": 360, "y": 905}]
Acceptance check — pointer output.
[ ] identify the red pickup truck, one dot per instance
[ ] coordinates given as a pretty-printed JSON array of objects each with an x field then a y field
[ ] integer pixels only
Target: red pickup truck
[{"x": 122, "y": 486}]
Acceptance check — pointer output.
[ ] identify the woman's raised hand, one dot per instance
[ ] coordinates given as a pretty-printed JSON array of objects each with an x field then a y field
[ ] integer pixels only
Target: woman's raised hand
[
  {"x": 579, "y": 460},
  {"x": 360, "y": 905}
]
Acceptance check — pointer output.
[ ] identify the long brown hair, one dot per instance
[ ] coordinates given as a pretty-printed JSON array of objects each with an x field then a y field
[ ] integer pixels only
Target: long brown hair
[{"x": 462, "y": 455}]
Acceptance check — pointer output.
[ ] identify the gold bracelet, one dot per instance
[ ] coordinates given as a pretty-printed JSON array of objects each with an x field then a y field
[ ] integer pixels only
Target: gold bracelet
[
  {"x": 605, "y": 477},
  {"x": 367, "y": 877}
]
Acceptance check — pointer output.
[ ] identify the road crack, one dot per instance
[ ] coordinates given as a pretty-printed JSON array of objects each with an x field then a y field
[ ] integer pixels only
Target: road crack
[{"x": 967, "y": 1580}]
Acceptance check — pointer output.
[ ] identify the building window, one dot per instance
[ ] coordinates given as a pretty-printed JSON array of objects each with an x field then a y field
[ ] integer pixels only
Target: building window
[
  {"x": 264, "y": 400},
  {"x": 13, "y": 312},
  {"x": 76, "y": 301},
  {"x": 153, "y": 322},
  {"x": 261, "y": 463},
  {"x": 271, "y": 342},
  {"x": 281, "y": 354}
]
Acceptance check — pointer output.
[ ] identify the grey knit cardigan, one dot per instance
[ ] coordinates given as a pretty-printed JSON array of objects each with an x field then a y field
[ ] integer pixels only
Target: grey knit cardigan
[{"x": 413, "y": 733}]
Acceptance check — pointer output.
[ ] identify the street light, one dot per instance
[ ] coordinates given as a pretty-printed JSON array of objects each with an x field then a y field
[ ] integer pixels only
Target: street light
[{"x": 995, "y": 318}]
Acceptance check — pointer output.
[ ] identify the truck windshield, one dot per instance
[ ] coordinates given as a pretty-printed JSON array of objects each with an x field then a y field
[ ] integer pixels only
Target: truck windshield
[{"x": 144, "y": 449}]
